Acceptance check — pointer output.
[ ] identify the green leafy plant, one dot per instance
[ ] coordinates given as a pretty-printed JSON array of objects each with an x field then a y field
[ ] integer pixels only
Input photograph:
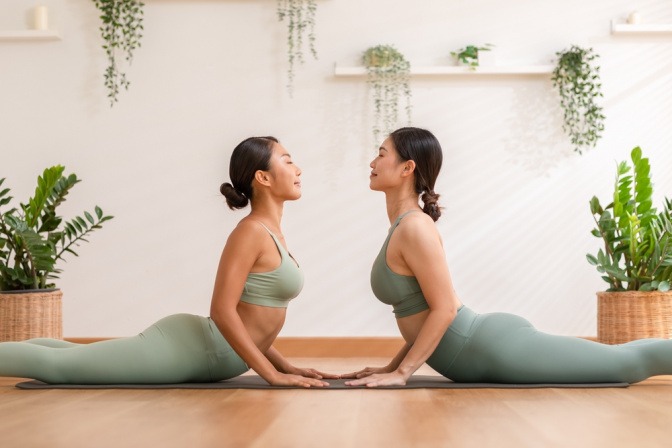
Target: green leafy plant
[
  {"x": 577, "y": 79},
  {"x": 637, "y": 253},
  {"x": 121, "y": 31},
  {"x": 469, "y": 54},
  {"x": 389, "y": 74},
  {"x": 33, "y": 238},
  {"x": 300, "y": 15}
]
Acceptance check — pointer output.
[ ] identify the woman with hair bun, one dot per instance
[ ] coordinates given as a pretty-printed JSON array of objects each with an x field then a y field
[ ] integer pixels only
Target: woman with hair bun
[
  {"x": 411, "y": 274},
  {"x": 256, "y": 279}
]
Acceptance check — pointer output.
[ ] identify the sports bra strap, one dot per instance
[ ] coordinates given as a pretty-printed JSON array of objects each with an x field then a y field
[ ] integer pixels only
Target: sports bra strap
[{"x": 398, "y": 220}]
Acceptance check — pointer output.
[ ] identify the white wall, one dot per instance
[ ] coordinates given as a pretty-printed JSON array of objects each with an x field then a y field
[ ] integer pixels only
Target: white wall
[{"x": 210, "y": 73}]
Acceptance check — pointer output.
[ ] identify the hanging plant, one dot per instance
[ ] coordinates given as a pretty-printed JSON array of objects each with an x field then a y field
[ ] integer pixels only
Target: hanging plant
[
  {"x": 121, "y": 31},
  {"x": 578, "y": 82},
  {"x": 300, "y": 15},
  {"x": 389, "y": 74}
]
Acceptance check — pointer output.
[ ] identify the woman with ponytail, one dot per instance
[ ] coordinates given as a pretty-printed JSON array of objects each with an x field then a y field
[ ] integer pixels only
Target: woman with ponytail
[
  {"x": 411, "y": 274},
  {"x": 256, "y": 279}
]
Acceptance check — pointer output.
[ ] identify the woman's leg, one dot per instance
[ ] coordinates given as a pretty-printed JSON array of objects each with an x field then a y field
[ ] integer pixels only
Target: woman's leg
[
  {"x": 507, "y": 348},
  {"x": 53, "y": 343},
  {"x": 170, "y": 351}
]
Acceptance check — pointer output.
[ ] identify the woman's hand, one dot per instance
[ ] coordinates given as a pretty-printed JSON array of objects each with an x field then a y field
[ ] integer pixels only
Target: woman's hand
[
  {"x": 287, "y": 379},
  {"x": 380, "y": 379},
  {"x": 311, "y": 373},
  {"x": 367, "y": 371}
]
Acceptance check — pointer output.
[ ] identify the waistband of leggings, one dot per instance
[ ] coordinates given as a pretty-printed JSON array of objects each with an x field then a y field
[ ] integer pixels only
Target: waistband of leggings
[{"x": 464, "y": 321}]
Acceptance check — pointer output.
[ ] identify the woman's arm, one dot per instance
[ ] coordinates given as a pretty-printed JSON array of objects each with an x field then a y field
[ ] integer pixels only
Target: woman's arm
[
  {"x": 242, "y": 250},
  {"x": 284, "y": 366},
  {"x": 422, "y": 252},
  {"x": 391, "y": 367}
]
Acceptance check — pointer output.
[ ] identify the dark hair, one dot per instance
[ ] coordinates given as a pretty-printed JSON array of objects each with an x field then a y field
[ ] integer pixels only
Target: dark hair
[
  {"x": 251, "y": 155},
  {"x": 420, "y": 146}
]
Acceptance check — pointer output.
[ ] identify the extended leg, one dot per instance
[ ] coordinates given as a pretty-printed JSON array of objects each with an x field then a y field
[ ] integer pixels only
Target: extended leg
[
  {"x": 170, "y": 351},
  {"x": 506, "y": 348}
]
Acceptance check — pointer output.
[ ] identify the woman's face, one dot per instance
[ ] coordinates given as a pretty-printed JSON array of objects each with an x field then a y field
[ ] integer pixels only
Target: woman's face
[
  {"x": 386, "y": 168},
  {"x": 285, "y": 174}
]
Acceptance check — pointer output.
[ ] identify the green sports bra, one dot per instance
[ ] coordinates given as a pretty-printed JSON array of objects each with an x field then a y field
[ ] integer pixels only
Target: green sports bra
[
  {"x": 277, "y": 287},
  {"x": 401, "y": 291}
]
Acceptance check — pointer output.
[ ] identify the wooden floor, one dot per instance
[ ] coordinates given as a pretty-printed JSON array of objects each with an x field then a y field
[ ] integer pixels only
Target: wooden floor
[{"x": 639, "y": 416}]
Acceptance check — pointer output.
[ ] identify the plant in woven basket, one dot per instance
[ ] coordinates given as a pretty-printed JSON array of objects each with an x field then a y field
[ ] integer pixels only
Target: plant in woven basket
[
  {"x": 637, "y": 254},
  {"x": 469, "y": 55},
  {"x": 389, "y": 75},
  {"x": 33, "y": 238},
  {"x": 300, "y": 15},
  {"x": 121, "y": 30},
  {"x": 578, "y": 82}
]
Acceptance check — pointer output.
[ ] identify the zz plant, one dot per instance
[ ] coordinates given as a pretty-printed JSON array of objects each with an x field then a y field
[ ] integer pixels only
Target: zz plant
[
  {"x": 121, "y": 32},
  {"x": 637, "y": 254},
  {"x": 389, "y": 75},
  {"x": 33, "y": 238},
  {"x": 577, "y": 79},
  {"x": 300, "y": 15}
]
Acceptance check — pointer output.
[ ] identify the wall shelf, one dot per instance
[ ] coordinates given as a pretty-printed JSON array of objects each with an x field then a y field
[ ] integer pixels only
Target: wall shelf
[
  {"x": 451, "y": 70},
  {"x": 34, "y": 35},
  {"x": 640, "y": 28}
]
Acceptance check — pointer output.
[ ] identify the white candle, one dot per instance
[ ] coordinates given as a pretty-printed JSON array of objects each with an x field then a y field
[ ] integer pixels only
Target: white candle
[
  {"x": 634, "y": 18},
  {"x": 41, "y": 18}
]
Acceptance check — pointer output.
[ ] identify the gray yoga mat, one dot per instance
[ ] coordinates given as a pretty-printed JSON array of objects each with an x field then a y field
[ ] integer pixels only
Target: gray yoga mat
[{"x": 256, "y": 382}]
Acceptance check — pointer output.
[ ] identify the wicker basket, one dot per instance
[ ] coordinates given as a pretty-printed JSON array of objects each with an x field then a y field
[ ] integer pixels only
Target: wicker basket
[
  {"x": 626, "y": 316},
  {"x": 31, "y": 314}
]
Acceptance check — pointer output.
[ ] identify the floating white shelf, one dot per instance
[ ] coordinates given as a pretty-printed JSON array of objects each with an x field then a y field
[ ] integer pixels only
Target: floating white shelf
[
  {"x": 641, "y": 28},
  {"x": 450, "y": 70},
  {"x": 29, "y": 35}
]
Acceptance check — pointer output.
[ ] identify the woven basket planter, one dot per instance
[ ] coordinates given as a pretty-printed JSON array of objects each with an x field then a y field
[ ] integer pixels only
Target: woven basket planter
[
  {"x": 626, "y": 316},
  {"x": 31, "y": 314}
]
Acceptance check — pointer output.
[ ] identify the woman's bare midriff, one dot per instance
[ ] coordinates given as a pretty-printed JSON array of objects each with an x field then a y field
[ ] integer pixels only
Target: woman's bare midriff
[{"x": 263, "y": 323}]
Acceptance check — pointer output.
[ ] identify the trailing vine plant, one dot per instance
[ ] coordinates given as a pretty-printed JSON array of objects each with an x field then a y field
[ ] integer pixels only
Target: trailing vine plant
[
  {"x": 121, "y": 31},
  {"x": 300, "y": 15},
  {"x": 389, "y": 75},
  {"x": 577, "y": 79}
]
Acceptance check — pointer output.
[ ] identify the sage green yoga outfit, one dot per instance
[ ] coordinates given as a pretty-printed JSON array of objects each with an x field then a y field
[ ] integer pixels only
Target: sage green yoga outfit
[
  {"x": 504, "y": 348},
  {"x": 176, "y": 349}
]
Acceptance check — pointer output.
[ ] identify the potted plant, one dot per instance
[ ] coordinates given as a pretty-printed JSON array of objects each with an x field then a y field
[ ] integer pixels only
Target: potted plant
[
  {"x": 469, "y": 55},
  {"x": 636, "y": 260},
  {"x": 577, "y": 79},
  {"x": 32, "y": 239},
  {"x": 300, "y": 15},
  {"x": 121, "y": 31},
  {"x": 389, "y": 74}
]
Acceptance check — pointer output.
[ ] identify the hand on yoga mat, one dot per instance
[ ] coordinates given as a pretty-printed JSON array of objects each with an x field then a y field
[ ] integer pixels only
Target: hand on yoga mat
[
  {"x": 312, "y": 373},
  {"x": 286, "y": 379},
  {"x": 380, "y": 379},
  {"x": 367, "y": 371}
]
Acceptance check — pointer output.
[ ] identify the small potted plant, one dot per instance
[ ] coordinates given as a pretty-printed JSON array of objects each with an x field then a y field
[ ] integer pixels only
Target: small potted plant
[
  {"x": 577, "y": 79},
  {"x": 33, "y": 238},
  {"x": 389, "y": 74},
  {"x": 469, "y": 55},
  {"x": 636, "y": 261}
]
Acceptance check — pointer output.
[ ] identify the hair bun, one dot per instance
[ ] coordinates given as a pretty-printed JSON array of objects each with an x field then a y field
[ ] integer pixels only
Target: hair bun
[
  {"x": 431, "y": 204},
  {"x": 234, "y": 198}
]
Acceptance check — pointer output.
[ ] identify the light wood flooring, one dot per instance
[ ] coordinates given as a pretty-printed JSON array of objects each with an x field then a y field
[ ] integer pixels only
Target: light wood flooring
[{"x": 639, "y": 416}]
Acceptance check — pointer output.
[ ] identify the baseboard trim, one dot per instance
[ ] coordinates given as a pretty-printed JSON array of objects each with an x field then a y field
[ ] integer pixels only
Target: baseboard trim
[{"x": 321, "y": 347}]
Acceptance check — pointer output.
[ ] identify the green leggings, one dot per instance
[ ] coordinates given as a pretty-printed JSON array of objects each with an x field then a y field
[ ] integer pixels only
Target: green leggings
[
  {"x": 177, "y": 349},
  {"x": 504, "y": 348}
]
